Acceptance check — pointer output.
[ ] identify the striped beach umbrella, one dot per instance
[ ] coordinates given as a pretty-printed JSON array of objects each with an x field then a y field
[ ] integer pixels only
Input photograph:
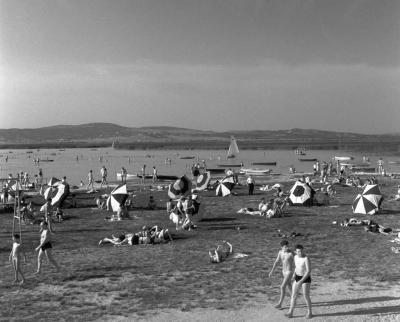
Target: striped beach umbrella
[
  {"x": 369, "y": 201},
  {"x": 53, "y": 181},
  {"x": 225, "y": 186},
  {"x": 50, "y": 192},
  {"x": 182, "y": 186},
  {"x": 117, "y": 197},
  {"x": 14, "y": 186},
  {"x": 300, "y": 194},
  {"x": 61, "y": 192},
  {"x": 203, "y": 180}
]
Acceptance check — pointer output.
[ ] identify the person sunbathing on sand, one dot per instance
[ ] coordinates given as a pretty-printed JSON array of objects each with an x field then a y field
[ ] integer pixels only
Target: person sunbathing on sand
[
  {"x": 160, "y": 235},
  {"x": 218, "y": 254}
]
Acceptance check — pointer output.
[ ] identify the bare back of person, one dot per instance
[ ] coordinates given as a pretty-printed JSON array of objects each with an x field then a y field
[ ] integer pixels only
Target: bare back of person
[{"x": 287, "y": 262}]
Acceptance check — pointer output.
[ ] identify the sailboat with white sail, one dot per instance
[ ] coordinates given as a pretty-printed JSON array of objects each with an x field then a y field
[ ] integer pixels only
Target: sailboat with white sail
[{"x": 233, "y": 149}]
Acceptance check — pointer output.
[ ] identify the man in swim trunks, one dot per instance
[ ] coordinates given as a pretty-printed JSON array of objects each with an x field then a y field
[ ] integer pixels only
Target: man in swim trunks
[
  {"x": 45, "y": 247},
  {"x": 285, "y": 255},
  {"x": 301, "y": 279}
]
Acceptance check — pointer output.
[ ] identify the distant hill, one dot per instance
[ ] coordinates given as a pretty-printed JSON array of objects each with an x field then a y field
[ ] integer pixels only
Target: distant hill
[{"x": 103, "y": 134}]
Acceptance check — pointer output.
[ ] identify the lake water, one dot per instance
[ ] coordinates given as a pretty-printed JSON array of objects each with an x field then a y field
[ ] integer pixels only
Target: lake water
[{"x": 76, "y": 163}]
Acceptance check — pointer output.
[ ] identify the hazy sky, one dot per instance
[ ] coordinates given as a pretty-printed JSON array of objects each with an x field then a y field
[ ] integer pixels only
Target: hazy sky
[{"x": 204, "y": 64}]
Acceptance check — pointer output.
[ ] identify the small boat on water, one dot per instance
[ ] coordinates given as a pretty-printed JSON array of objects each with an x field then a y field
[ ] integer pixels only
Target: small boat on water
[
  {"x": 229, "y": 165},
  {"x": 29, "y": 151},
  {"x": 128, "y": 176},
  {"x": 397, "y": 162},
  {"x": 343, "y": 158},
  {"x": 255, "y": 171},
  {"x": 363, "y": 169},
  {"x": 46, "y": 160},
  {"x": 216, "y": 170},
  {"x": 187, "y": 157},
  {"x": 307, "y": 159},
  {"x": 264, "y": 163},
  {"x": 159, "y": 177},
  {"x": 233, "y": 150}
]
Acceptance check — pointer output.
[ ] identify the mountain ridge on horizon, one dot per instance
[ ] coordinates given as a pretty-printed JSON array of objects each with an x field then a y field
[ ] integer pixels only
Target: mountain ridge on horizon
[{"x": 175, "y": 128}]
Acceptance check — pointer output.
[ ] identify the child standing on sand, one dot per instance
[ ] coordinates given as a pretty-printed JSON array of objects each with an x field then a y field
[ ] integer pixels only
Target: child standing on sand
[
  {"x": 285, "y": 256},
  {"x": 15, "y": 258}
]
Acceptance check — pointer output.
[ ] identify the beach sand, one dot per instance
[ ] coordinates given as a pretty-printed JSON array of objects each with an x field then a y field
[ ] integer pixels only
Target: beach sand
[{"x": 354, "y": 272}]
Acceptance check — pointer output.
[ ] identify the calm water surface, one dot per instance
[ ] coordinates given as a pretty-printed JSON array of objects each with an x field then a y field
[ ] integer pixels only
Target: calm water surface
[{"x": 76, "y": 163}]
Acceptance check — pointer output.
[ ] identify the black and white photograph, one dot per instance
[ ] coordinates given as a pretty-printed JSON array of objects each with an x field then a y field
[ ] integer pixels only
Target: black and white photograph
[{"x": 200, "y": 160}]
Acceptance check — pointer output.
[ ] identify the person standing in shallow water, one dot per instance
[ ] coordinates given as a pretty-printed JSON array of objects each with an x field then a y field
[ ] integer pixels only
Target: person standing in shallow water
[
  {"x": 301, "y": 279},
  {"x": 90, "y": 180},
  {"x": 287, "y": 259}
]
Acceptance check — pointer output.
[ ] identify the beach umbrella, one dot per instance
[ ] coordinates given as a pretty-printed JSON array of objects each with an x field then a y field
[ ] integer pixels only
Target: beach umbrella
[
  {"x": 182, "y": 186},
  {"x": 203, "y": 180},
  {"x": 117, "y": 197},
  {"x": 369, "y": 201},
  {"x": 300, "y": 194},
  {"x": 61, "y": 192},
  {"x": 225, "y": 186},
  {"x": 53, "y": 181},
  {"x": 50, "y": 192},
  {"x": 14, "y": 186}
]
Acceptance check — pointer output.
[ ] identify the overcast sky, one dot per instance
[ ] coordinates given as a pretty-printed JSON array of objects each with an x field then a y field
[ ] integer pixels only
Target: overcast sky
[{"x": 203, "y": 64}]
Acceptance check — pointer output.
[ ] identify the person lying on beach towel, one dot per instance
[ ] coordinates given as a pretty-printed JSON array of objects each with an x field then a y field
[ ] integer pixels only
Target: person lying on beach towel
[
  {"x": 249, "y": 211},
  {"x": 220, "y": 253},
  {"x": 376, "y": 228},
  {"x": 356, "y": 222}
]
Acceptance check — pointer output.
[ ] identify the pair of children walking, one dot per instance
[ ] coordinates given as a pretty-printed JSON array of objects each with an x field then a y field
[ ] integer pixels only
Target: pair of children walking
[
  {"x": 44, "y": 248},
  {"x": 296, "y": 272}
]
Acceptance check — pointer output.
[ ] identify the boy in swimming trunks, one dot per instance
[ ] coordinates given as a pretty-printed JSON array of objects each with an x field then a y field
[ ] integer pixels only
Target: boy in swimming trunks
[
  {"x": 15, "y": 257},
  {"x": 45, "y": 247},
  {"x": 301, "y": 279},
  {"x": 285, "y": 255}
]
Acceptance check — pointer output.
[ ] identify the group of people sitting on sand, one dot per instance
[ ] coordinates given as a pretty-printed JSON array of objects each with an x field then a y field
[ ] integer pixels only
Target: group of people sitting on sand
[
  {"x": 272, "y": 208},
  {"x": 148, "y": 235},
  {"x": 182, "y": 211},
  {"x": 369, "y": 225}
]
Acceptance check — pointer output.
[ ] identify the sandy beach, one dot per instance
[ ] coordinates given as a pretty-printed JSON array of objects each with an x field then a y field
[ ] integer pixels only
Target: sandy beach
[{"x": 354, "y": 273}]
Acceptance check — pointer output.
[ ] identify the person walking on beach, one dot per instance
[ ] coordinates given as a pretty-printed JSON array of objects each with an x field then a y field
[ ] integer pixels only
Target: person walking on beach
[
  {"x": 124, "y": 174},
  {"x": 103, "y": 172},
  {"x": 250, "y": 184},
  {"x": 301, "y": 279},
  {"x": 285, "y": 256},
  {"x": 90, "y": 180},
  {"x": 45, "y": 247},
  {"x": 143, "y": 173},
  {"x": 154, "y": 174},
  {"x": 40, "y": 174},
  {"x": 15, "y": 258}
]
